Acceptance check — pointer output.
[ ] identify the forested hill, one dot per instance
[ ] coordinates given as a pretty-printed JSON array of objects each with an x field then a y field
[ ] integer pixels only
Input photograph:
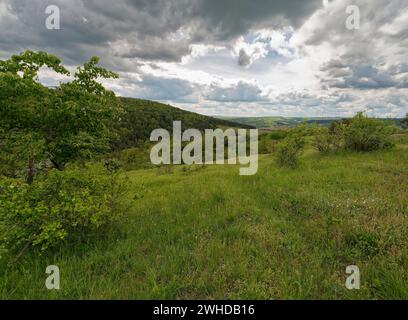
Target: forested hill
[{"x": 143, "y": 116}]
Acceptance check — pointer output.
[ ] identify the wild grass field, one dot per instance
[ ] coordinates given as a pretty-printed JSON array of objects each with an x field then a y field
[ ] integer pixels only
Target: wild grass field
[{"x": 209, "y": 233}]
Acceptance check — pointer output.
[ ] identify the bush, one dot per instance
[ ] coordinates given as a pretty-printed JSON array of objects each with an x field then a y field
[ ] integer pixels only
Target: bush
[
  {"x": 62, "y": 205},
  {"x": 327, "y": 140},
  {"x": 289, "y": 150},
  {"x": 359, "y": 133},
  {"x": 322, "y": 140},
  {"x": 367, "y": 134}
]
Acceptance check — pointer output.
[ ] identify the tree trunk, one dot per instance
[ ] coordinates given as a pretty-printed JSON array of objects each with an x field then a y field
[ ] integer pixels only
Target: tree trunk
[{"x": 31, "y": 171}]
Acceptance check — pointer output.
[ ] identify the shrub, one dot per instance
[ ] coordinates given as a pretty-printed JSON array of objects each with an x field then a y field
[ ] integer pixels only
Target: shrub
[
  {"x": 112, "y": 165},
  {"x": 63, "y": 205},
  {"x": 322, "y": 140},
  {"x": 359, "y": 133},
  {"x": 327, "y": 140},
  {"x": 367, "y": 134},
  {"x": 268, "y": 141},
  {"x": 289, "y": 150}
]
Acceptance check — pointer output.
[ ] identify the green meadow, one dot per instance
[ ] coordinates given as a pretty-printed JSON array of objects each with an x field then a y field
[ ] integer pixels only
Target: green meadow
[
  {"x": 78, "y": 190},
  {"x": 205, "y": 232}
]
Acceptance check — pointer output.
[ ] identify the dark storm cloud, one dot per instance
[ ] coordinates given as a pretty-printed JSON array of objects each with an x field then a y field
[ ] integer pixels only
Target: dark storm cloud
[
  {"x": 353, "y": 73},
  {"x": 134, "y": 36},
  {"x": 229, "y": 18},
  {"x": 161, "y": 30},
  {"x": 162, "y": 89}
]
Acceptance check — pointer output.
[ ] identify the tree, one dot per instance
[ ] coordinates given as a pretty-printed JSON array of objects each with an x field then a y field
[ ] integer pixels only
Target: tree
[
  {"x": 90, "y": 116},
  {"x": 86, "y": 76},
  {"x": 21, "y": 101},
  {"x": 39, "y": 124},
  {"x": 30, "y": 62}
]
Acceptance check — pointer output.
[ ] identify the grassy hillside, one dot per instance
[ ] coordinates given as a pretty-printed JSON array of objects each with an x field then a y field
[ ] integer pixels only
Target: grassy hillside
[
  {"x": 68, "y": 199},
  {"x": 209, "y": 233},
  {"x": 277, "y": 122},
  {"x": 143, "y": 116}
]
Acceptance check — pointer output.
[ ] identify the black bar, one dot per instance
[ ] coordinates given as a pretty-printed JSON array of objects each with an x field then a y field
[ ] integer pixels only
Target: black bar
[{"x": 201, "y": 309}]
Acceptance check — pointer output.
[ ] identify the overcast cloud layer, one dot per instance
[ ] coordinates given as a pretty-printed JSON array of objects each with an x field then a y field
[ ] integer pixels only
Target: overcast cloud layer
[{"x": 230, "y": 57}]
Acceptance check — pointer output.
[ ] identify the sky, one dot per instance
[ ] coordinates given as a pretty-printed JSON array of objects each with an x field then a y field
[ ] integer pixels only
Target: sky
[{"x": 230, "y": 57}]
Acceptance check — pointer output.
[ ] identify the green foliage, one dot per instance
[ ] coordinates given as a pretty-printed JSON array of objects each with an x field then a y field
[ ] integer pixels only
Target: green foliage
[
  {"x": 263, "y": 146},
  {"x": 61, "y": 205},
  {"x": 289, "y": 150},
  {"x": 359, "y": 133},
  {"x": 87, "y": 129},
  {"x": 268, "y": 140},
  {"x": 268, "y": 122},
  {"x": 367, "y": 134},
  {"x": 41, "y": 128},
  {"x": 75, "y": 121},
  {"x": 86, "y": 77},
  {"x": 112, "y": 165},
  {"x": 269, "y": 231},
  {"x": 277, "y": 134},
  {"x": 277, "y": 123},
  {"x": 135, "y": 158},
  {"x": 143, "y": 116},
  {"x": 30, "y": 62},
  {"x": 17, "y": 146},
  {"x": 326, "y": 140},
  {"x": 322, "y": 140}
]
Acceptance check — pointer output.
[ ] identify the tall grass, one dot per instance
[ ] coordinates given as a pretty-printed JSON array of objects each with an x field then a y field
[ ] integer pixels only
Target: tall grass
[{"x": 283, "y": 233}]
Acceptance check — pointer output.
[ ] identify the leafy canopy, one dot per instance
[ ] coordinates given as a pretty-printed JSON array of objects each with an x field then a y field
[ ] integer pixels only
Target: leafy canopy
[
  {"x": 30, "y": 62},
  {"x": 37, "y": 123},
  {"x": 86, "y": 76}
]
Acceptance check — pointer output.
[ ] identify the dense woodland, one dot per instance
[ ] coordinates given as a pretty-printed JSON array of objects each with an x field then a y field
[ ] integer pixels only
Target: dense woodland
[{"x": 143, "y": 116}]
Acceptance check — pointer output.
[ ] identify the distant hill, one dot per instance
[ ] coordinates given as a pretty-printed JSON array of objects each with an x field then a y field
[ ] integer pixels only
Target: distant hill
[
  {"x": 281, "y": 122},
  {"x": 143, "y": 116}
]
